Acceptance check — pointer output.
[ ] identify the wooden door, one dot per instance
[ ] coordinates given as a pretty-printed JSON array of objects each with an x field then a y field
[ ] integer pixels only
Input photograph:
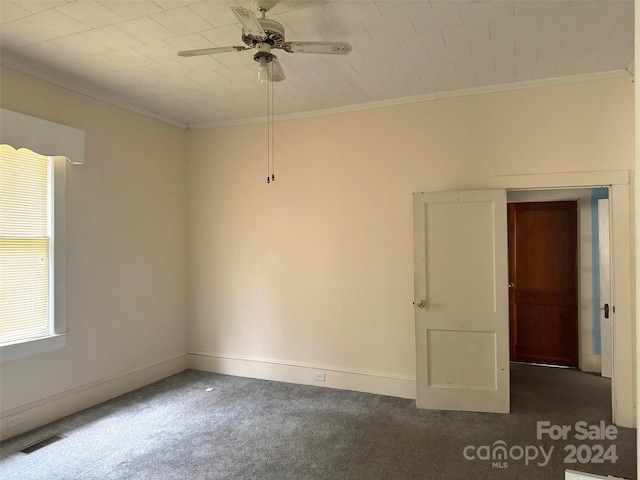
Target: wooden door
[
  {"x": 461, "y": 301},
  {"x": 543, "y": 276}
]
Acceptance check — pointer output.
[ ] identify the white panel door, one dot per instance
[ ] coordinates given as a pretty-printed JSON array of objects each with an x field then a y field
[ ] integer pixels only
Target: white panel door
[
  {"x": 461, "y": 300},
  {"x": 604, "y": 255}
]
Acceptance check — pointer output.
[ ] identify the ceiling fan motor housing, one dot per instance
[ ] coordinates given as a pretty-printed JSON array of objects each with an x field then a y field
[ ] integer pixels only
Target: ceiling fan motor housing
[{"x": 274, "y": 31}]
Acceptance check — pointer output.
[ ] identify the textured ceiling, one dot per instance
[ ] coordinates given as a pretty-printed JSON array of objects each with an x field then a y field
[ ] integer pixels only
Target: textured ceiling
[{"x": 125, "y": 51}]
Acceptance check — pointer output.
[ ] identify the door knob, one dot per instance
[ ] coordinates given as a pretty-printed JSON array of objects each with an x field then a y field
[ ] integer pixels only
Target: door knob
[
  {"x": 511, "y": 284},
  {"x": 420, "y": 304}
]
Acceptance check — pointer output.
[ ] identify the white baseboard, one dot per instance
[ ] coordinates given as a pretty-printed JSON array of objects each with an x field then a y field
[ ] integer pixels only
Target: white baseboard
[
  {"x": 591, "y": 363},
  {"x": 369, "y": 382},
  {"x": 54, "y": 407}
]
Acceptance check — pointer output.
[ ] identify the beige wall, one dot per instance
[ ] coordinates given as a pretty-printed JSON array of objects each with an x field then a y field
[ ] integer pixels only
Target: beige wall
[
  {"x": 312, "y": 272},
  {"x": 126, "y": 257},
  {"x": 316, "y": 269}
]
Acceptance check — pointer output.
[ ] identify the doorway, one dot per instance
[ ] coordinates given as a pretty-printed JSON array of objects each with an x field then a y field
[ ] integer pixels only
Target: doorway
[
  {"x": 622, "y": 352},
  {"x": 543, "y": 282}
]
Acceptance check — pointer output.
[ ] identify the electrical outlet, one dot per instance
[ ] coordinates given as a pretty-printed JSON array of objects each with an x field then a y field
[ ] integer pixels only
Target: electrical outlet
[
  {"x": 320, "y": 377},
  {"x": 16, "y": 420}
]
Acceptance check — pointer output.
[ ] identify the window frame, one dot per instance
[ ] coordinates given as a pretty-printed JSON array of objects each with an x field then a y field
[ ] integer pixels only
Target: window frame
[{"x": 67, "y": 147}]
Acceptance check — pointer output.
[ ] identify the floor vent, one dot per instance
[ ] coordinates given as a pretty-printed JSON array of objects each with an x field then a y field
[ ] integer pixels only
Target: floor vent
[{"x": 41, "y": 443}]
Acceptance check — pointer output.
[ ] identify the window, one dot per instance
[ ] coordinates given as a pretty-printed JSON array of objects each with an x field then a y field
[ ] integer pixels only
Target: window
[
  {"x": 30, "y": 308},
  {"x": 25, "y": 244}
]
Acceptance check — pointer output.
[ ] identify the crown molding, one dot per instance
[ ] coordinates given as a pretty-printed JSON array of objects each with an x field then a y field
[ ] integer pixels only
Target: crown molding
[
  {"x": 425, "y": 98},
  {"x": 65, "y": 83},
  {"x": 61, "y": 82}
]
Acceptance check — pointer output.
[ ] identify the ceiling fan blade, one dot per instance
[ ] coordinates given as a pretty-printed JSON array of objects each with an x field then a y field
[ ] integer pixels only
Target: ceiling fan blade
[
  {"x": 211, "y": 51},
  {"x": 334, "y": 48},
  {"x": 249, "y": 22},
  {"x": 276, "y": 74}
]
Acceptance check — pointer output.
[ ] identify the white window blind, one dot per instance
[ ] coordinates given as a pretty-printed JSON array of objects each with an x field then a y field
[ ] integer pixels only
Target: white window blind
[{"x": 25, "y": 245}]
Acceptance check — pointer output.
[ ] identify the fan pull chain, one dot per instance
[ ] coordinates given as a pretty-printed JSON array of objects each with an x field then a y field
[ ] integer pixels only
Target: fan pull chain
[
  {"x": 271, "y": 177},
  {"x": 272, "y": 123},
  {"x": 268, "y": 132}
]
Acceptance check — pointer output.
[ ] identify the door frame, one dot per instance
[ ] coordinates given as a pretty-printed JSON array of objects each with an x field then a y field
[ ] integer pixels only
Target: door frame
[{"x": 623, "y": 380}]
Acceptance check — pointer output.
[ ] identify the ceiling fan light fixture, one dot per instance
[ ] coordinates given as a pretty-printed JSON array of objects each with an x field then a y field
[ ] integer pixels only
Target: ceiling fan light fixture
[
  {"x": 263, "y": 70},
  {"x": 263, "y": 56}
]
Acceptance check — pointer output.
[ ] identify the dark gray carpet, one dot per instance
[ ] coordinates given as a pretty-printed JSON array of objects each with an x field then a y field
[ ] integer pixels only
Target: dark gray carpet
[{"x": 255, "y": 429}]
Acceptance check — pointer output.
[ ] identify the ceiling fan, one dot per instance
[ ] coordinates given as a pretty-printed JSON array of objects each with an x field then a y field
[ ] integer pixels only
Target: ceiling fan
[{"x": 264, "y": 35}]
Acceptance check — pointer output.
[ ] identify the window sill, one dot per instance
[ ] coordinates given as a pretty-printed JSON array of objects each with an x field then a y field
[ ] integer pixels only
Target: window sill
[{"x": 29, "y": 348}]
